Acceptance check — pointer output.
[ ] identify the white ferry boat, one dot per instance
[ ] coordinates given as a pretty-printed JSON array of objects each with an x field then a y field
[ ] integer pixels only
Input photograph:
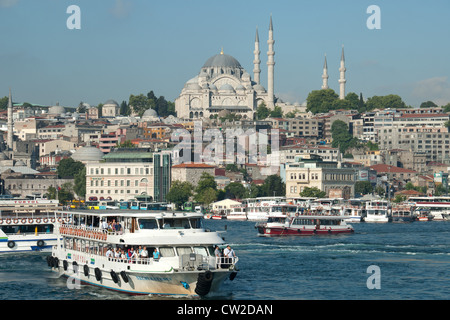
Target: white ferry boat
[
  {"x": 258, "y": 209},
  {"x": 355, "y": 209},
  {"x": 327, "y": 206},
  {"x": 304, "y": 225},
  {"x": 184, "y": 262},
  {"x": 438, "y": 207},
  {"x": 377, "y": 211},
  {"x": 27, "y": 225},
  {"x": 237, "y": 213}
]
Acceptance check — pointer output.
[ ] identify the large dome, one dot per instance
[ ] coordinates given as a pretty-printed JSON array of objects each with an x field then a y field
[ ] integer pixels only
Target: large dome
[
  {"x": 88, "y": 154},
  {"x": 222, "y": 60}
]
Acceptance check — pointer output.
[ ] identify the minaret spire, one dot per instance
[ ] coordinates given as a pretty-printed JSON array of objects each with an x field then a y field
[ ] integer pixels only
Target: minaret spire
[
  {"x": 325, "y": 75},
  {"x": 342, "y": 80},
  {"x": 10, "y": 122},
  {"x": 270, "y": 68},
  {"x": 257, "y": 61}
]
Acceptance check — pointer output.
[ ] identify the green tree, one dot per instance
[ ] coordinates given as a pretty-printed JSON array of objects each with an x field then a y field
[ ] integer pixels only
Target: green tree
[
  {"x": 179, "y": 192},
  {"x": 206, "y": 181},
  {"x": 384, "y": 102},
  {"x": 428, "y": 104},
  {"x": 139, "y": 104},
  {"x": 207, "y": 196},
  {"x": 69, "y": 168},
  {"x": 124, "y": 109},
  {"x": 80, "y": 183},
  {"x": 277, "y": 112},
  {"x": 321, "y": 101},
  {"x": 125, "y": 144},
  {"x": 235, "y": 190},
  {"x": 313, "y": 192},
  {"x": 262, "y": 112},
  {"x": 273, "y": 186},
  {"x": 363, "y": 187},
  {"x": 342, "y": 138},
  {"x": 4, "y": 103}
]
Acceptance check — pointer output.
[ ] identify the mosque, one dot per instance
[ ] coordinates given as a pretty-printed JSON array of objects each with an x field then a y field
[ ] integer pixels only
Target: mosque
[{"x": 223, "y": 85}]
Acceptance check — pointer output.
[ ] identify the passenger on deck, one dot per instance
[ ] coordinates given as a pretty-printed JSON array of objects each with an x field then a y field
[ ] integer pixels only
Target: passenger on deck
[{"x": 156, "y": 255}]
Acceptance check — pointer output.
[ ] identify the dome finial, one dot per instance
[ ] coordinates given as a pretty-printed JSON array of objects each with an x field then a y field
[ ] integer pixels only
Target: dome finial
[{"x": 221, "y": 51}]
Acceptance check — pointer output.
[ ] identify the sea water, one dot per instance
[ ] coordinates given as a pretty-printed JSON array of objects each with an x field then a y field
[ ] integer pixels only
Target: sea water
[{"x": 412, "y": 259}]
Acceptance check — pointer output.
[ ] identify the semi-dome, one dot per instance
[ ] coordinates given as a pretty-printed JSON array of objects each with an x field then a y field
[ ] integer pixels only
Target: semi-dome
[
  {"x": 150, "y": 113},
  {"x": 226, "y": 87},
  {"x": 222, "y": 60},
  {"x": 88, "y": 153}
]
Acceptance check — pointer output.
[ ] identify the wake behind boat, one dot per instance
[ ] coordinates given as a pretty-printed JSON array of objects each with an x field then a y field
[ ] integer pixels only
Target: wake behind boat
[{"x": 96, "y": 248}]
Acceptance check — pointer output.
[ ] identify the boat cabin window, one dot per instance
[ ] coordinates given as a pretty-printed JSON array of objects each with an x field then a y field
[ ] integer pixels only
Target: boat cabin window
[
  {"x": 148, "y": 224},
  {"x": 276, "y": 219},
  {"x": 196, "y": 223},
  {"x": 167, "y": 252},
  {"x": 43, "y": 228},
  {"x": 183, "y": 250},
  {"x": 201, "y": 250},
  {"x": 175, "y": 223}
]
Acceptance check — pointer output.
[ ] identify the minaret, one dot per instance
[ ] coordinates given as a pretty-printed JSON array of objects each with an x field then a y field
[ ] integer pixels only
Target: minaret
[
  {"x": 342, "y": 80},
  {"x": 270, "y": 67},
  {"x": 10, "y": 122},
  {"x": 257, "y": 61},
  {"x": 325, "y": 75}
]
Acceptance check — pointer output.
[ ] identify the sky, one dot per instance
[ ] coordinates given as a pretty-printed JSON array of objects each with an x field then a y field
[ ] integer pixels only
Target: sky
[{"x": 133, "y": 46}]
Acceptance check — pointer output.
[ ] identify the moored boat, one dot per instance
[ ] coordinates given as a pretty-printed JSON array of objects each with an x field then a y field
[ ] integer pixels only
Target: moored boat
[
  {"x": 183, "y": 263},
  {"x": 304, "y": 225},
  {"x": 402, "y": 212},
  {"x": 377, "y": 211},
  {"x": 237, "y": 213},
  {"x": 27, "y": 225}
]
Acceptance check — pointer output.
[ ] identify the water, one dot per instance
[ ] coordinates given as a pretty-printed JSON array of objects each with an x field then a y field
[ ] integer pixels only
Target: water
[{"x": 414, "y": 262}]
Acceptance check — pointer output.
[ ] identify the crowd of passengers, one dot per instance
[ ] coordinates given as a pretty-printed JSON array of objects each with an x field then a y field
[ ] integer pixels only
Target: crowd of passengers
[{"x": 132, "y": 255}]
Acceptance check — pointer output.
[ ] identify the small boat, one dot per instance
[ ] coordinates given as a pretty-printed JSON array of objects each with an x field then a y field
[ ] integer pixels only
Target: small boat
[
  {"x": 28, "y": 225},
  {"x": 237, "y": 213},
  {"x": 354, "y": 208},
  {"x": 423, "y": 214},
  {"x": 403, "y": 213},
  {"x": 173, "y": 254},
  {"x": 377, "y": 211},
  {"x": 304, "y": 225}
]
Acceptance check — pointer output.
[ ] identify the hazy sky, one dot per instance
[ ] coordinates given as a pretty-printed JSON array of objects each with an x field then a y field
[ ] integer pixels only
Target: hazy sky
[{"x": 133, "y": 46}]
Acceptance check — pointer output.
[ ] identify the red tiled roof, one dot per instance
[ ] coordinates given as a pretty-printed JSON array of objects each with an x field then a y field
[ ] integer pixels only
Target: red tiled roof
[{"x": 391, "y": 169}]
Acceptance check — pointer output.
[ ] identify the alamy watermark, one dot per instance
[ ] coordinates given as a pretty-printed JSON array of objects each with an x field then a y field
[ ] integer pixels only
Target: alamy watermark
[
  {"x": 374, "y": 280},
  {"x": 74, "y": 20},
  {"x": 374, "y": 21},
  {"x": 229, "y": 146}
]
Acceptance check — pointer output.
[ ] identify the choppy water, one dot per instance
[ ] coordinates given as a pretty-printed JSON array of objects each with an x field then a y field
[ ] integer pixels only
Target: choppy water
[{"x": 413, "y": 259}]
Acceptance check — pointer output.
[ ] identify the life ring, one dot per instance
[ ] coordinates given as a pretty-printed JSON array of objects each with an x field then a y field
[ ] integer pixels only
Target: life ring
[
  {"x": 114, "y": 276},
  {"x": 30, "y": 220},
  {"x": 24, "y": 220},
  {"x": 52, "y": 220},
  {"x": 11, "y": 244},
  {"x": 15, "y": 221},
  {"x": 38, "y": 220},
  {"x": 45, "y": 220},
  {"x": 40, "y": 243},
  {"x": 60, "y": 219},
  {"x": 1, "y": 221}
]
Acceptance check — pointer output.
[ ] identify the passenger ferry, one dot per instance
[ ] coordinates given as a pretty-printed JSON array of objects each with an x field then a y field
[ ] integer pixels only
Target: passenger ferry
[
  {"x": 304, "y": 225},
  {"x": 237, "y": 213},
  {"x": 327, "y": 206},
  {"x": 258, "y": 208},
  {"x": 27, "y": 225},
  {"x": 439, "y": 207},
  {"x": 355, "y": 209},
  {"x": 403, "y": 212},
  {"x": 174, "y": 253},
  {"x": 377, "y": 211}
]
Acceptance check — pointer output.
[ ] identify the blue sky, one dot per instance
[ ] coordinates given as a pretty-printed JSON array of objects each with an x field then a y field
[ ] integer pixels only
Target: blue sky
[{"x": 133, "y": 46}]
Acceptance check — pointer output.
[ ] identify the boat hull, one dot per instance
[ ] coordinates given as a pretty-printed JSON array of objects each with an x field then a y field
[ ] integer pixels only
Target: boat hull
[
  {"x": 169, "y": 283},
  {"x": 300, "y": 231}
]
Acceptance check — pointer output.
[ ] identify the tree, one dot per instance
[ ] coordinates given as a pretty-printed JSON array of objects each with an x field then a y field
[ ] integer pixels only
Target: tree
[
  {"x": 363, "y": 187},
  {"x": 277, "y": 112},
  {"x": 262, "y": 112},
  {"x": 124, "y": 109},
  {"x": 313, "y": 192},
  {"x": 235, "y": 190},
  {"x": 179, "y": 192},
  {"x": 204, "y": 187},
  {"x": 69, "y": 168},
  {"x": 80, "y": 183},
  {"x": 207, "y": 196},
  {"x": 321, "y": 101},
  {"x": 342, "y": 138},
  {"x": 428, "y": 104},
  {"x": 4, "y": 103},
  {"x": 384, "y": 102},
  {"x": 125, "y": 144},
  {"x": 273, "y": 186}
]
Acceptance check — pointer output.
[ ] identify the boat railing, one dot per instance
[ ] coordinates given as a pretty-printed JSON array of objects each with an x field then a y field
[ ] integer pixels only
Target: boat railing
[{"x": 225, "y": 262}]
